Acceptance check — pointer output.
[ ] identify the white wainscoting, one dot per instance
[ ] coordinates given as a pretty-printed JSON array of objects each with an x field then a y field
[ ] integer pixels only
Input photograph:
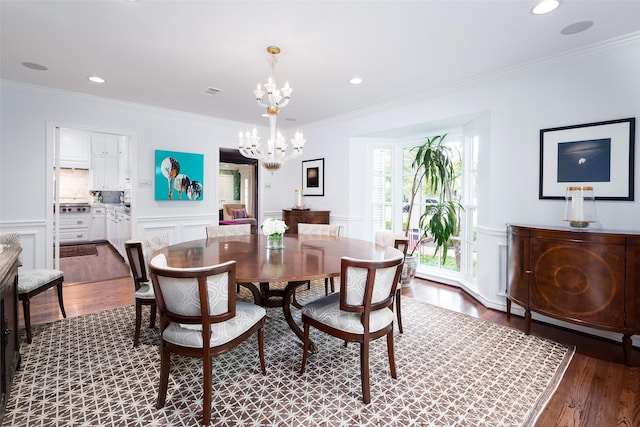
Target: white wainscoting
[
  {"x": 180, "y": 228},
  {"x": 33, "y": 240}
]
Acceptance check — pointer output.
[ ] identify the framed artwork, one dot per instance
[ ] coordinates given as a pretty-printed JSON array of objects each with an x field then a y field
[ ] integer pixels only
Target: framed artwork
[
  {"x": 179, "y": 176},
  {"x": 313, "y": 177},
  {"x": 600, "y": 155}
]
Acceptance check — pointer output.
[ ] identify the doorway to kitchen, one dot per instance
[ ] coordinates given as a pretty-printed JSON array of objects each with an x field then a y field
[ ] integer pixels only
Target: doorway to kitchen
[{"x": 90, "y": 177}]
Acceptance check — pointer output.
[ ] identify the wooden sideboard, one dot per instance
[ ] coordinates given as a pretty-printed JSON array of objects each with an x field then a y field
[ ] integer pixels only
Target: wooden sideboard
[
  {"x": 9, "y": 344},
  {"x": 589, "y": 278},
  {"x": 292, "y": 217}
]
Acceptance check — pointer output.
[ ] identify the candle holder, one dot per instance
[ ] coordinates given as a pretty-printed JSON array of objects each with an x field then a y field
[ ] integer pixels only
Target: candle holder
[
  {"x": 298, "y": 203},
  {"x": 580, "y": 207}
]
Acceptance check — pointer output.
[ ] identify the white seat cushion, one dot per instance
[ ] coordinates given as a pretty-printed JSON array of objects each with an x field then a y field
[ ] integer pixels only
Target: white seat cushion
[
  {"x": 28, "y": 280},
  {"x": 247, "y": 315},
  {"x": 145, "y": 291},
  {"x": 327, "y": 311}
]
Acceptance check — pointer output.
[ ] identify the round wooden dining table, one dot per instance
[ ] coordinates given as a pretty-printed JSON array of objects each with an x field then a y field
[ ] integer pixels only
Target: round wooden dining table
[{"x": 303, "y": 258}]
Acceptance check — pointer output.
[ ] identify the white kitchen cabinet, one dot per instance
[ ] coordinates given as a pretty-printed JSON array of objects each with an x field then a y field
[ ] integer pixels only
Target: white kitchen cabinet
[
  {"x": 105, "y": 145},
  {"x": 118, "y": 228},
  {"x": 98, "y": 223},
  {"x": 105, "y": 173},
  {"x": 75, "y": 228},
  {"x": 105, "y": 162},
  {"x": 75, "y": 149}
]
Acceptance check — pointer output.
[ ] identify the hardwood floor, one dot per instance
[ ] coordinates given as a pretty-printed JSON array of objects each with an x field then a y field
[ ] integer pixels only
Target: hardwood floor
[{"x": 597, "y": 390}]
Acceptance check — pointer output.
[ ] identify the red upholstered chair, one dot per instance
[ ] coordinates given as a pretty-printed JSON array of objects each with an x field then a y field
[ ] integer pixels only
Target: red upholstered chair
[
  {"x": 200, "y": 317},
  {"x": 361, "y": 312}
]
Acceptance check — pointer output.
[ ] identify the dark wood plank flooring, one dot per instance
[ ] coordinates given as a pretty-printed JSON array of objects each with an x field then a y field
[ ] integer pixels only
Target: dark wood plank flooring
[{"x": 597, "y": 390}]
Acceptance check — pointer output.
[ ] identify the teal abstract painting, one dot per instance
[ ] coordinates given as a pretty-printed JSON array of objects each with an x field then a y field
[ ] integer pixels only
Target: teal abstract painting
[{"x": 179, "y": 176}]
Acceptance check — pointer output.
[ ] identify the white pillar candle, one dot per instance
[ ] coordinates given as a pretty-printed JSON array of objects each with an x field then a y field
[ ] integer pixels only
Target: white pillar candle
[{"x": 578, "y": 205}]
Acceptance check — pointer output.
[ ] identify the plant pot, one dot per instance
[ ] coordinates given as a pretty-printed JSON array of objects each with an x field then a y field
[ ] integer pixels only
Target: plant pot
[{"x": 408, "y": 270}]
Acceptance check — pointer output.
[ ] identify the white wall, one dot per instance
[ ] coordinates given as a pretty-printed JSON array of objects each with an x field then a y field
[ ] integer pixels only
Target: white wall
[
  {"x": 26, "y": 114},
  {"x": 509, "y": 110}
]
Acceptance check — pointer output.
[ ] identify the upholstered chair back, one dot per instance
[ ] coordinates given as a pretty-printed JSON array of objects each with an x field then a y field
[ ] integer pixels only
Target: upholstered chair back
[
  {"x": 322, "y": 229},
  {"x": 369, "y": 283},
  {"x": 228, "y": 230},
  {"x": 195, "y": 295}
]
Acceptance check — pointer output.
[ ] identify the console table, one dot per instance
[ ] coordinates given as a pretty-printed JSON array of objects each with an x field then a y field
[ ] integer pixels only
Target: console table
[
  {"x": 589, "y": 278},
  {"x": 292, "y": 217},
  {"x": 9, "y": 344}
]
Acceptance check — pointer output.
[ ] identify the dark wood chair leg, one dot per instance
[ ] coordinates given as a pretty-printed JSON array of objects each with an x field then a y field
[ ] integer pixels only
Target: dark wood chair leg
[
  {"x": 136, "y": 334},
  {"x": 60, "y": 301},
  {"x": 305, "y": 348},
  {"x": 206, "y": 390},
  {"x": 390, "y": 352},
  {"x": 152, "y": 320},
  {"x": 364, "y": 372},
  {"x": 26, "y": 310},
  {"x": 398, "y": 309},
  {"x": 263, "y": 365},
  {"x": 165, "y": 362}
]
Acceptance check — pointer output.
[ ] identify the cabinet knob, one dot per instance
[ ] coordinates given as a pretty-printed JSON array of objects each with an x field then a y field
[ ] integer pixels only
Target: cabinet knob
[{"x": 528, "y": 271}]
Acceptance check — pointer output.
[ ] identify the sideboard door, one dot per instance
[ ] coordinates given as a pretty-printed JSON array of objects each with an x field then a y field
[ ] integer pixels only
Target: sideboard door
[
  {"x": 581, "y": 279},
  {"x": 518, "y": 271}
]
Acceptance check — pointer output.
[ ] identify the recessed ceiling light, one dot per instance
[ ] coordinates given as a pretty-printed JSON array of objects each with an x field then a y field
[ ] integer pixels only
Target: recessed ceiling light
[
  {"x": 355, "y": 80},
  {"x": 35, "y": 66},
  {"x": 545, "y": 6},
  {"x": 577, "y": 27},
  {"x": 96, "y": 79}
]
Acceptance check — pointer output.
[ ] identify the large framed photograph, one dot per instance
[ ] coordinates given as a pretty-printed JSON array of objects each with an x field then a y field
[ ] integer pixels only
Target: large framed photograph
[
  {"x": 600, "y": 155},
  {"x": 313, "y": 177}
]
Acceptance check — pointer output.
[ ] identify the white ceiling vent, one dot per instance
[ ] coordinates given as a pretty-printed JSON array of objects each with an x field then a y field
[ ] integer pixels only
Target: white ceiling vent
[{"x": 212, "y": 91}]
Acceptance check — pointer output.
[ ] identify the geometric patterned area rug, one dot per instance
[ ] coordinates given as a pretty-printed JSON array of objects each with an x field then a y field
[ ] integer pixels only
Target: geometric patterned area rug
[{"x": 453, "y": 370}]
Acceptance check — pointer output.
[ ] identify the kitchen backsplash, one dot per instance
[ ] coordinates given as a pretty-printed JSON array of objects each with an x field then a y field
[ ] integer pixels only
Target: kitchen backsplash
[{"x": 75, "y": 186}]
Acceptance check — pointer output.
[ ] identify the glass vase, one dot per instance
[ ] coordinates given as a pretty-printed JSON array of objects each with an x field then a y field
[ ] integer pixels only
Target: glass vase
[{"x": 275, "y": 241}]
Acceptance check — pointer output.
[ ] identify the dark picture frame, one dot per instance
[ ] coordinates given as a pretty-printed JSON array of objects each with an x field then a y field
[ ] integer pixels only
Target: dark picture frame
[
  {"x": 313, "y": 177},
  {"x": 600, "y": 155}
]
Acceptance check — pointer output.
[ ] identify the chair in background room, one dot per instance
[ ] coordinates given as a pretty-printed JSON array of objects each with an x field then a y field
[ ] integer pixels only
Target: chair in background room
[
  {"x": 228, "y": 230},
  {"x": 200, "y": 317},
  {"x": 324, "y": 230},
  {"x": 32, "y": 282},
  {"x": 361, "y": 312},
  {"x": 389, "y": 238},
  {"x": 138, "y": 254},
  {"x": 237, "y": 212}
]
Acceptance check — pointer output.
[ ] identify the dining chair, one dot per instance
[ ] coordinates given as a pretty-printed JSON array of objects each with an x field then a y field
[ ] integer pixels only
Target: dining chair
[
  {"x": 361, "y": 312},
  {"x": 389, "y": 238},
  {"x": 200, "y": 317},
  {"x": 325, "y": 230},
  {"x": 32, "y": 282},
  {"x": 228, "y": 230},
  {"x": 138, "y": 254}
]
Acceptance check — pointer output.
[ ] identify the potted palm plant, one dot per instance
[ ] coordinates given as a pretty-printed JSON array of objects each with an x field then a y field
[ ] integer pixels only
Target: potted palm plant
[{"x": 433, "y": 166}]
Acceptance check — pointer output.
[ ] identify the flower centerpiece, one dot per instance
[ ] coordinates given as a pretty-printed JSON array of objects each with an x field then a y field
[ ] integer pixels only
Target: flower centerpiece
[{"x": 274, "y": 230}]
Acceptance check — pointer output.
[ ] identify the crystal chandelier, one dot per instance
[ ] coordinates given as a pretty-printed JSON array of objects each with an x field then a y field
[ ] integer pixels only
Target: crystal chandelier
[{"x": 277, "y": 149}]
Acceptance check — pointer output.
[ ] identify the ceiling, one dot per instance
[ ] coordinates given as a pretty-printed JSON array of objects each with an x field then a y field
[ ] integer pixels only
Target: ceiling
[{"x": 167, "y": 53}]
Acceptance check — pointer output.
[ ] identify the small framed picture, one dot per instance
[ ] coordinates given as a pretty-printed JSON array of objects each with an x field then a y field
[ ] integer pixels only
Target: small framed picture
[
  {"x": 600, "y": 155},
  {"x": 313, "y": 177}
]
